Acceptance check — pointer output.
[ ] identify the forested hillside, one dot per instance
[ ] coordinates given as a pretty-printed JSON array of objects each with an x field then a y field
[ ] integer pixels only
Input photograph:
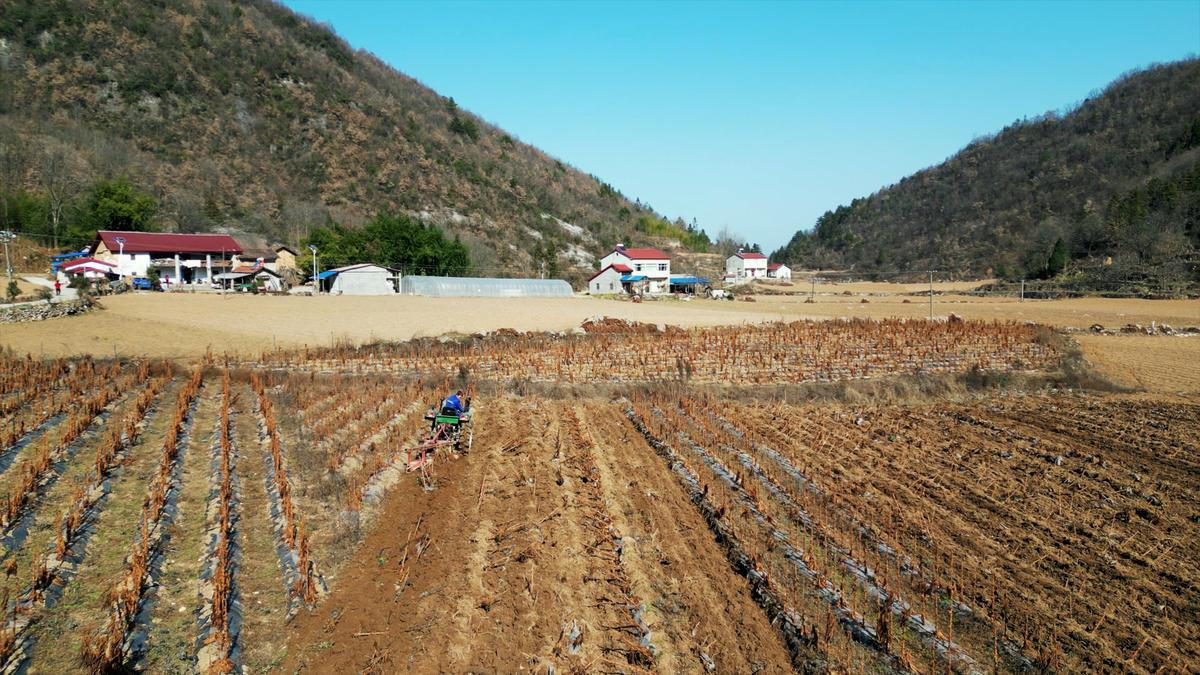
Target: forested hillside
[
  {"x": 1117, "y": 177},
  {"x": 211, "y": 114}
]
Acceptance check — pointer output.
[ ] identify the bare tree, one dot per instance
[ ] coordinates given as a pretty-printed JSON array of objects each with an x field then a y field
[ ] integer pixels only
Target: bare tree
[
  {"x": 59, "y": 183},
  {"x": 727, "y": 242}
]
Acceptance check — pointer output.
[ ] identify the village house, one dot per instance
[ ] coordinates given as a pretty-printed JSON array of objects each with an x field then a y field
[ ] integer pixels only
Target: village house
[
  {"x": 178, "y": 259},
  {"x": 608, "y": 280},
  {"x": 89, "y": 268},
  {"x": 649, "y": 271},
  {"x": 745, "y": 265},
  {"x": 250, "y": 275},
  {"x": 779, "y": 271},
  {"x": 276, "y": 259}
]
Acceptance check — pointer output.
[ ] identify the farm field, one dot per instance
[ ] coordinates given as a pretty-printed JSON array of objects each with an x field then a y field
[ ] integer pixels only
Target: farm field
[
  {"x": 1153, "y": 363},
  {"x": 189, "y": 325},
  {"x": 697, "y": 533},
  {"x": 618, "y": 351},
  {"x": 256, "y": 517},
  {"x": 173, "y": 519}
]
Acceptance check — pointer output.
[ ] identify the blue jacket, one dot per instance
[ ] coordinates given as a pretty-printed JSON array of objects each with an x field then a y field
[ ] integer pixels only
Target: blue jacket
[{"x": 453, "y": 403}]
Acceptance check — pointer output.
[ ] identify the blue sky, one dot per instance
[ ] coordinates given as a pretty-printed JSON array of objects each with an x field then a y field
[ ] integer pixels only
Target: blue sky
[{"x": 759, "y": 117}]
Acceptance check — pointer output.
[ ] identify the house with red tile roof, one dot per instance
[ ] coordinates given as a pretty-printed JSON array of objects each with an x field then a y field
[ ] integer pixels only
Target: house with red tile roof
[
  {"x": 746, "y": 265},
  {"x": 649, "y": 270},
  {"x": 779, "y": 271},
  {"x": 178, "y": 259}
]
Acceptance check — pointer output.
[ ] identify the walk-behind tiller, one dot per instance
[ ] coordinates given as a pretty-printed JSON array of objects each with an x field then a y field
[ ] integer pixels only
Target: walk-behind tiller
[{"x": 446, "y": 430}]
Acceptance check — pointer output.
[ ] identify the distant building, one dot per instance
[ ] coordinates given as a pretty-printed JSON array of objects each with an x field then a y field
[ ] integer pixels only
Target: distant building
[
  {"x": 276, "y": 259},
  {"x": 744, "y": 265},
  {"x": 179, "y": 259},
  {"x": 285, "y": 259},
  {"x": 779, "y": 271},
  {"x": 649, "y": 269}
]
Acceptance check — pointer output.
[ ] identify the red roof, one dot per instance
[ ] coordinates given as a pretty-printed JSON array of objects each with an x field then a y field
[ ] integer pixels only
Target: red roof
[
  {"x": 774, "y": 266},
  {"x": 642, "y": 253},
  {"x": 166, "y": 242},
  {"x": 750, "y": 256},
  {"x": 623, "y": 269},
  {"x": 84, "y": 261}
]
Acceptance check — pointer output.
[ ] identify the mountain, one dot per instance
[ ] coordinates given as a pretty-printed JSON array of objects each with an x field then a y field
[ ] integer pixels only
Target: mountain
[
  {"x": 245, "y": 116},
  {"x": 1113, "y": 183}
]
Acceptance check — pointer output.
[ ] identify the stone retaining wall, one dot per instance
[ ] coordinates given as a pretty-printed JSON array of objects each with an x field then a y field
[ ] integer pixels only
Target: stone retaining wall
[{"x": 41, "y": 311}]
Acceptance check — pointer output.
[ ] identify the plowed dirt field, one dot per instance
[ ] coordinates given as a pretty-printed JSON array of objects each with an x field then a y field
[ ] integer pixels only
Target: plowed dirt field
[
  {"x": 624, "y": 501},
  {"x": 1035, "y": 532}
]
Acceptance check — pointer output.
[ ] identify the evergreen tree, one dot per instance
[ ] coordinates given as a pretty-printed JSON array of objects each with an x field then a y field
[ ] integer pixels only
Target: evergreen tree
[{"x": 1058, "y": 259}]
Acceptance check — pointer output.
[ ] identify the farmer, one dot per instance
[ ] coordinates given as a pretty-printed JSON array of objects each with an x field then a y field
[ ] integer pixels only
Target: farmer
[{"x": 453, "y": 404}]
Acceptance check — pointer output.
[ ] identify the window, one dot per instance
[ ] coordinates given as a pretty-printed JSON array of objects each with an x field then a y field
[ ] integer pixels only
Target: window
[
  {"x": 638, "y": 267},
  {"x": 610, "y": 286},
  {"x": 662, "y": 267}
]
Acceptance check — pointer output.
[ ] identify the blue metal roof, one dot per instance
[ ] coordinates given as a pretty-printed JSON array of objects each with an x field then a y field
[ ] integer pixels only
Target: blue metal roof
[
  {"x": 632, "y": 277},
  {"x": 328, "y": 273},
  {"x": 689, "y": 280}
]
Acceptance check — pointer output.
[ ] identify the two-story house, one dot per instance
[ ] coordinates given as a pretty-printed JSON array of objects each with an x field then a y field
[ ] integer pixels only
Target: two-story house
[
  {"x": 745, "y": 265},
  {"x": 649, "y": 268}
]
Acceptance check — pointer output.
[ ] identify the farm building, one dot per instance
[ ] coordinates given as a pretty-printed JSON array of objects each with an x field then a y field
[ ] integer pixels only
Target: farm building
[
  {"x": 779, "y": 271},
  {"x": 179, "y": 259},
  {"x": 687, "y": 283},
  {"x": 244, "y": 275},
  {"x": 746, "y": 265},
  {"x": 650, "y": 268},
  {"x": 472, "y": 287},
  {"x": 362, "y": 279},
  {"x": 608, "y": 280}
]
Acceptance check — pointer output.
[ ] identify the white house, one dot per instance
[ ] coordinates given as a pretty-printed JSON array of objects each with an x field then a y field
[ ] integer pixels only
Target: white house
[
  {"x": 744, "y": 265},
  {"x": 608, "y": 280},
  {"x": 365, "y": 279},
  {"x": 650, "y": 268},
  {"x": 779, "y": 271},
  {"x": 179, "y": 259},
  {"x": 89, "y": 268}
]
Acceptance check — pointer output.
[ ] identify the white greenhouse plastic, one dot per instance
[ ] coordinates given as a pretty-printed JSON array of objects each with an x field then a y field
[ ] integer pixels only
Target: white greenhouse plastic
[{"x": 448, "y": 287}]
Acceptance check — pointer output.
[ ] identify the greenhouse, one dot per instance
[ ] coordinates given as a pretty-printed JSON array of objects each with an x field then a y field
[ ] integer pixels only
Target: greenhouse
[{"x": 447, "y": 287}]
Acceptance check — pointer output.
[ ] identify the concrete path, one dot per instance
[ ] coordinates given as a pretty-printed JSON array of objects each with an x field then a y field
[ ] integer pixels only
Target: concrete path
[{"x": 68, "y": 293}]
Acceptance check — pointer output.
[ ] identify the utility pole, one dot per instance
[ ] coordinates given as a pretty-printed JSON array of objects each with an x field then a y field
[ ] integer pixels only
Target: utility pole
[
  {"x": 931, "y": 295},
  {"x": 6, "y": 237},
  {"x": 316, "y": 282},
  {"x": 1022, "y": 290},
  {"x": 812, "y": 291}
]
